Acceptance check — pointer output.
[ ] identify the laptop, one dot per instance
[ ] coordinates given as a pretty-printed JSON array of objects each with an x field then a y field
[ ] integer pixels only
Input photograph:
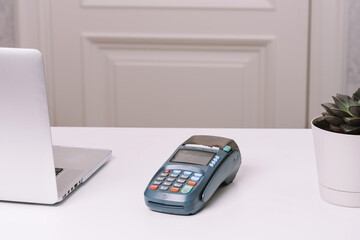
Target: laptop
[{"x": 32, "y": 169}]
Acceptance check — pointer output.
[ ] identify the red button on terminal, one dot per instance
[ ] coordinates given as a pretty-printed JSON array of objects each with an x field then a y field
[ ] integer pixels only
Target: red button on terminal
[
  {"x": 174, "y": 189},
  {"x": 166, "y": 171},
  {"x": 192, "y": 183},
  {"x": 154, "y": 187}
]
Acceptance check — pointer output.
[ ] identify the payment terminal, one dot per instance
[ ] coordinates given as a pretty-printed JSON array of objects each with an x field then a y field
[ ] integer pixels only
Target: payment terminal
[{"x": 188, "y": 179}]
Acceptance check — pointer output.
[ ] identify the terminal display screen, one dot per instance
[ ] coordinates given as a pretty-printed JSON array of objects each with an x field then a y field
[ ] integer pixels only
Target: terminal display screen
[{"x": 193, "y": 157}]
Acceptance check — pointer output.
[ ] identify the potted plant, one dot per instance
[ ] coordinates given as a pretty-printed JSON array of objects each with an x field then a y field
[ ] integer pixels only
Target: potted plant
[{"x": 337, "y": 148}]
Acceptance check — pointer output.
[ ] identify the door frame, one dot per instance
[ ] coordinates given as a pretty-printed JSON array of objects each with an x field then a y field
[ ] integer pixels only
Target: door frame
[{"x": 327, "y": 58}]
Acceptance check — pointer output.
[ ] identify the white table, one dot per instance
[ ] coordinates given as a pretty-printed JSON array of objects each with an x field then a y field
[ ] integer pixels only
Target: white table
[{"x": 274, "y": 196}]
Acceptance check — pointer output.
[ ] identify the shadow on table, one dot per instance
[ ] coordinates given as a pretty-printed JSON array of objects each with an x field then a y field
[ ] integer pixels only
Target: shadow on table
[{"x": 226, "y": 189}]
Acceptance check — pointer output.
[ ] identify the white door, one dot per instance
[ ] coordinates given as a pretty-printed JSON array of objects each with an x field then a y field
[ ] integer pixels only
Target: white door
[{"x": 178, "y": 63}]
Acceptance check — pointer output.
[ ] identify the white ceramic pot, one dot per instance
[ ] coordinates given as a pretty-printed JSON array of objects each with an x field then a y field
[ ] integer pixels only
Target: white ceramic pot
[{"x": 338, "y": 166}]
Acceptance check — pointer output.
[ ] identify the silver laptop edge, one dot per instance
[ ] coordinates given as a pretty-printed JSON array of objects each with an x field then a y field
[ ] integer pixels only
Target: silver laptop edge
[
  {"x": 27, "y": 157},
  {"x": 76, "y": 172}
]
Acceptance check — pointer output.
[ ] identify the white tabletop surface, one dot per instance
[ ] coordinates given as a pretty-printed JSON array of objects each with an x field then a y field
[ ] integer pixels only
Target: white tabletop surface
[{"x": 274, "y": 196}]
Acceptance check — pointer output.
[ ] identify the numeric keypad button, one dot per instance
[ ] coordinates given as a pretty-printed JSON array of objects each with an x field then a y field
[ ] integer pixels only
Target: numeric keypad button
[
  {"x": 167, "y": 183},
  {"x": 180, "y": 180},
  {"x": 170, "y": 179},
  {"x": 184, "y": 176},
  {"x": 178, "y": 185}
]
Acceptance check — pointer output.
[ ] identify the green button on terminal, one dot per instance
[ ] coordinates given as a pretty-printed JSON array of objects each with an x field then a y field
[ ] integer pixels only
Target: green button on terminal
[
  {"x": 227, "y": 148},
  {"x": 186, "y": 189}
]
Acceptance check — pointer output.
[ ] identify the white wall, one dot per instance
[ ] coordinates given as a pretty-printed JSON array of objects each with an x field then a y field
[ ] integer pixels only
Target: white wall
[
  {"x": 353, "y": 60},
  {"x": 352, "y": 79},
  {"x": 6, "y": 24},
  {"x": 110, "y": 64}
]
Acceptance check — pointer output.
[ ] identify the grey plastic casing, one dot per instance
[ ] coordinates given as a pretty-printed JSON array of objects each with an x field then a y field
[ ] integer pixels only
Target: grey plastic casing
[{"x": 223, "y": 172}]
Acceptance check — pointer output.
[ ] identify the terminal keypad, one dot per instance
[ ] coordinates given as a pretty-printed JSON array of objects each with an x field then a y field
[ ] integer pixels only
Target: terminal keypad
[{"x": 176, "y": 181}]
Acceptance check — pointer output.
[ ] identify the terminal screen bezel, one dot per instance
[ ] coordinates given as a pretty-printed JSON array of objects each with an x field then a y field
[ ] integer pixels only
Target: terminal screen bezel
[{"x": 191, "y": 156}]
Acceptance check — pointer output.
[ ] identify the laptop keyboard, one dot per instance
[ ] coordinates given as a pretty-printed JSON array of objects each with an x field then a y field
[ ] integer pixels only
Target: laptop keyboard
[{"x": 58, "y": 170}]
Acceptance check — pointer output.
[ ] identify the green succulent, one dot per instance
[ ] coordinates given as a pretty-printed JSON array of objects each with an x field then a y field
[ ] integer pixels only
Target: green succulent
[{"x": 343, "y": 115}]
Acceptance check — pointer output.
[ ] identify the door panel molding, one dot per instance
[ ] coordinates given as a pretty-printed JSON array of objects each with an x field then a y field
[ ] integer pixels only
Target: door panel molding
[
  {"x": 188, "y": 4},
  {"x": 182, "y": 55}
]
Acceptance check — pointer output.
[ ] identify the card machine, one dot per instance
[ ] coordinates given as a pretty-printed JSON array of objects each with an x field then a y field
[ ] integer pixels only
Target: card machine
[{"x": 188, "y": 179}]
